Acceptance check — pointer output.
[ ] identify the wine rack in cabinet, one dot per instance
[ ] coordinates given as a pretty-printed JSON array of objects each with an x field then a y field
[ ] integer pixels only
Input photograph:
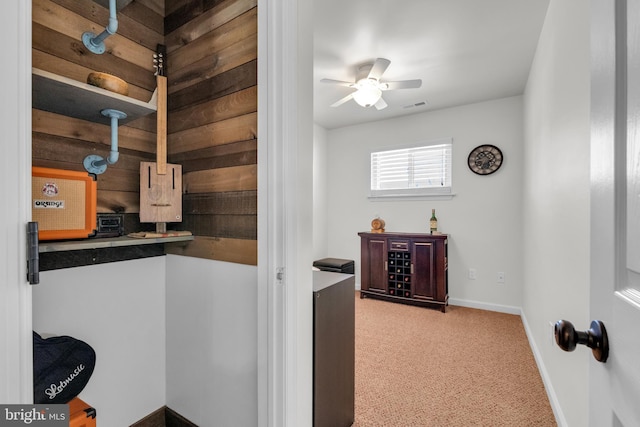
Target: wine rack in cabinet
[
  {"x": 399, "y": 272},
  {"x": 411, "y": 268}
]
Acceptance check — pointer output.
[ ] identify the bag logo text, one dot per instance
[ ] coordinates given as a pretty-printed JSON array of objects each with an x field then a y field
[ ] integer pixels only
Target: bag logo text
[{"x": 53, "y": 390}]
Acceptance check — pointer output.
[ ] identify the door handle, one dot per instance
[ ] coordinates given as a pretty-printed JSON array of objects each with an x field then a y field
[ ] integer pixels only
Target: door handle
[{"x": 595, "y": 338}]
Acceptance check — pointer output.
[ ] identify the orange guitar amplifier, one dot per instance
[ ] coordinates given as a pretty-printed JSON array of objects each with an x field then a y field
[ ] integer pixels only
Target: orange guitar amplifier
[
  {"x": 81, "y": 414},
  {"x": 64, "y": 203}
]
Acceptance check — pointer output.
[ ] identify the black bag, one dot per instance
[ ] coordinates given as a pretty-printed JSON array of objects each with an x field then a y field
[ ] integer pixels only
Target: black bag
[{"x": 62, "y": 367}]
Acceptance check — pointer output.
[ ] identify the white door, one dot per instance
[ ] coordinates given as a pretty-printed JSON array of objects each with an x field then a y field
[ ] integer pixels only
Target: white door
[{"x": 614, "y": 386}]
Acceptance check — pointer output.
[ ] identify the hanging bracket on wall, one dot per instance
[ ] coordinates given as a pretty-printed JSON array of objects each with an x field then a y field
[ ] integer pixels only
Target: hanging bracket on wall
[
  {"x": 96, "y": 43},
  {"x": 96, "y": 164}
]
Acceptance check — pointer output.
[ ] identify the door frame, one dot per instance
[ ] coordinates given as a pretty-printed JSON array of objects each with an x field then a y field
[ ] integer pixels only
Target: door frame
[
  {"x": 285, "y": 129},
  {"x": 16, "y": 366}
]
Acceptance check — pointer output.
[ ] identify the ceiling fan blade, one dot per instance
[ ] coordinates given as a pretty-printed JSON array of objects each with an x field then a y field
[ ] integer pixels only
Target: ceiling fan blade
[
  {"x": 337, "y": 82},
  {"x": 404, "y": 84},
  {"x": 378, "y": 68},
  {"x": 342, "y": 101},
  {"x": 380, "y": 105}
]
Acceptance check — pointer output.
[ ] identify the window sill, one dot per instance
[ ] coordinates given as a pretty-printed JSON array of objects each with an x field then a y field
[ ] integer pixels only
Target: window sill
[{"x": 409, "y": 197}]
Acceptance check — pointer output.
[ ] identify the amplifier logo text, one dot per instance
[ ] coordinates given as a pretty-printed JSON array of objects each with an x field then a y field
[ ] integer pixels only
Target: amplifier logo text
[{"x": 48, "y": 204}]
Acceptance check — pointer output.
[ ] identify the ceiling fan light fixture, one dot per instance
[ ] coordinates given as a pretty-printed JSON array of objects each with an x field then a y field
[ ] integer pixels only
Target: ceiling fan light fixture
[{"x": 368, "y": 92}]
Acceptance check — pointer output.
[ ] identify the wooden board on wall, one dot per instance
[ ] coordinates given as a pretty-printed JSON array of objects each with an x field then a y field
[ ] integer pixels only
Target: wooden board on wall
[
  {"x": 207, "y": 21},
  {"x": 235, "y": 104},
  {"x": 234, "y": 80},
  {"x": 240, "y": 128},
  {"x": 239, "y": 251}
]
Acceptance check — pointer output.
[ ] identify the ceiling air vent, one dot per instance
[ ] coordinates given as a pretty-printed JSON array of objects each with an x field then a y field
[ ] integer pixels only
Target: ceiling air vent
[{"x": 417, "y": 104}]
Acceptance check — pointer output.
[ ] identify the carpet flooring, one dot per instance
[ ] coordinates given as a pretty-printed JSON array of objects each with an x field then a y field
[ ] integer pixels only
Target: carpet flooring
[{"x": 417, "y": 366}]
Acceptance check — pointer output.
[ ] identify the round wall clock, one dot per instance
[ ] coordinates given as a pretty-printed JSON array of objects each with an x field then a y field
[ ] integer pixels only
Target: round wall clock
[{"x": 485, "y": 159}]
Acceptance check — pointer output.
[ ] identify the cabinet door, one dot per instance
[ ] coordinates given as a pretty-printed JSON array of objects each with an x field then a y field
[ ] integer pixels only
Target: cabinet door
[
  {"x": 374, "y": 266},
  {"x": 424, "y": 270}
]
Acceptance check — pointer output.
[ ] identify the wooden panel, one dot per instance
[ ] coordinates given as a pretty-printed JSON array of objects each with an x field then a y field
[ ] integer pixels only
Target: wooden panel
[
  {"x": 229, "y": 203},
  {"x": 110, "y": 201},
  {"x": 231, "y": 130},
  {"x": 233, "y": 226},
  {"x": 237, "y": 178},
  {"x": 207, "y": 21},
  {"x": 119, "y": 180},
  {"x": 222, "y": 249},
  {"x": 232, "y": 32},
  {"x": 147, "y": 15},
  {"x": 129, "y": 20},
  {"x": 184, "y": 11},
  {"x": 56, "y": 148},
  {"x": 232, "y": 105},
  {"x": 70, "y": 49},
  {"x": 216, "y": 63},
  {"x": 216, "y": 151},
  {"x": 235, "y": 159},
  {"x": 56, "y": 124},
  {"x": 218, "y": 86},
  {"x": 65, "y": 22},
  {"x": 155, "y": 5},
  {"x": 170, "y": 6},
  {"x": 146, "y": 123}
]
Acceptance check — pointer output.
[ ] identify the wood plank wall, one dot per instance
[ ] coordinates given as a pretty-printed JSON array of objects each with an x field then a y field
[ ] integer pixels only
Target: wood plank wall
[
  {"x": 212, "y": 118},
  {"x": 212, "y": 124},
  {"x": 63, "y": 142}
]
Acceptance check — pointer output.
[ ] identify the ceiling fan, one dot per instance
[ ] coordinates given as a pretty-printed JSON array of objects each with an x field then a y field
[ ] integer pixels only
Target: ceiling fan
[{"x": 368, "y": 86}]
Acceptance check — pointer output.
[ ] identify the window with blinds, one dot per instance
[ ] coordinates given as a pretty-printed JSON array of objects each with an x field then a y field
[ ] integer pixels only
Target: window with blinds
[{"x": 418, "y": 170}]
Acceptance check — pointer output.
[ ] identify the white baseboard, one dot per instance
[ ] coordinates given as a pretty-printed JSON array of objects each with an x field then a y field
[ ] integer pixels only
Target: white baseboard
[
  {"x": 551, "y": 394},
  {"x": 485, "y": 306}
]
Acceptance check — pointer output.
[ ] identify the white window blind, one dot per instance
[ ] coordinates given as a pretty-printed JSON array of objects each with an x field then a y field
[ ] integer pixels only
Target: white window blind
[{"x": 417, "y": 170}]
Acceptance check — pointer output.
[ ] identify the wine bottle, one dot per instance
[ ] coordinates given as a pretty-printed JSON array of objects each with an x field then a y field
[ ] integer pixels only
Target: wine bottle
[{"x": 433, "y": 222}]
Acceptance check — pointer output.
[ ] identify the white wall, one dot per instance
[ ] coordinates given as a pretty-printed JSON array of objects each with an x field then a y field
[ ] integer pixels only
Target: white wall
[
  {"x": 211, "y": 341},
  {"x": 118, "y": 309},
  {"x": 320, "y": 208},
  {"x": 556, "y": 202},
  {"x": 483, "y": 218}
]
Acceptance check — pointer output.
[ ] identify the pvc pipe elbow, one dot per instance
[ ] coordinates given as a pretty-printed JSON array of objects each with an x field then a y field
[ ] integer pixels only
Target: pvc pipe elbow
[
  {"x": 112, "y": 27},
  {"x": 113, "y": 157}
]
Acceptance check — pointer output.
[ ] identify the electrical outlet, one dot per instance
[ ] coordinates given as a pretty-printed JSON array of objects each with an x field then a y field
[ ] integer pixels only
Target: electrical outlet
[
  {"x": 473, "y": 274},
  {"x": 500, "y": 276}
]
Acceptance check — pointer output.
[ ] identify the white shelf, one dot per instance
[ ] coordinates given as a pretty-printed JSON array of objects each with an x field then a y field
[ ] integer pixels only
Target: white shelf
[
  {"x": 107, "y": 242},
  {"x": 62, "y": 95}
]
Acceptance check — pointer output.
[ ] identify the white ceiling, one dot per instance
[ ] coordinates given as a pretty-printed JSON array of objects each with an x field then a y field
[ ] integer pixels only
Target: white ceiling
[{"x": 465, "y": 51}]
